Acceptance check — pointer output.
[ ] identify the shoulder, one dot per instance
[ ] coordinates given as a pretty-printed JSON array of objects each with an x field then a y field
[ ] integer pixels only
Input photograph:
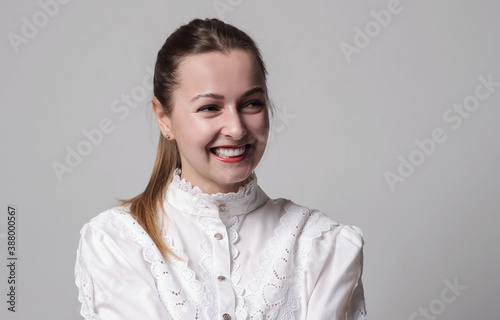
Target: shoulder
[
  {"x": 109, "y": 219},
  {"x": 315, "y": 225},
  {"x": 112, "y": 254},
  {"x": 113, "y": 227},
  {"x": 115, "y": 238}
]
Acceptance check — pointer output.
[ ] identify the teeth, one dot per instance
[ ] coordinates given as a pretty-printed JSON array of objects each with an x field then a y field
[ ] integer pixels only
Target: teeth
[{"x": 229, "y": 152}]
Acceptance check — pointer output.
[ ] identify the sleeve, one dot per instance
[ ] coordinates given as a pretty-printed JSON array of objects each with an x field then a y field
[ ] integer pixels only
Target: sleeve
[
  {"x": 113, "y": 279},
  {"x": 338, "y": 289}
]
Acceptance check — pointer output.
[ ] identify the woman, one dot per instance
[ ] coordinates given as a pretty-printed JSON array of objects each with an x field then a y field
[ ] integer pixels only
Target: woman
[{"x": 203, "y": 241}]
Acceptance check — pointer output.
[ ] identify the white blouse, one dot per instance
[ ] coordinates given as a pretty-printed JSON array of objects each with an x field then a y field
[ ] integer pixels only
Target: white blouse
[{"x": 243, "y": 256}]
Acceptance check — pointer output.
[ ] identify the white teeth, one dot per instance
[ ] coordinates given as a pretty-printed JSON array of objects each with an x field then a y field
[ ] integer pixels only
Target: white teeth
[{"x": 229, "y": 152}]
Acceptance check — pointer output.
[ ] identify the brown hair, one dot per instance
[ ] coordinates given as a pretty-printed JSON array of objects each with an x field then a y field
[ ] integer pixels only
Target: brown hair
[{"x": 198, "y": 36}]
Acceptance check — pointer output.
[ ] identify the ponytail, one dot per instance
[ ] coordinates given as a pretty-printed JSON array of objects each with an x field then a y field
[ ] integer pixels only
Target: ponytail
[{"x": 144, "y": 207}]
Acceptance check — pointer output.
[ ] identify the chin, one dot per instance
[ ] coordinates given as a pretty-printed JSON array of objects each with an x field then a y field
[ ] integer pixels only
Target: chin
[{"x": 235, "y": 180}]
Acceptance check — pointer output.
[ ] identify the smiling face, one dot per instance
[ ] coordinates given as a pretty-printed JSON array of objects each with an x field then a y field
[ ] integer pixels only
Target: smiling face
[{"x": 219, "y": 119}]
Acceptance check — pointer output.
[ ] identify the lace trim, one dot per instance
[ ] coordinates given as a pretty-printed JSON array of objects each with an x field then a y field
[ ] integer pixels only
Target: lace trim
[
  {"x": 85, "y": 289},
  {"x": 181, "y": 302},
  {"x": 199, "y": 195},
  {"x": 279, "y": 277}
]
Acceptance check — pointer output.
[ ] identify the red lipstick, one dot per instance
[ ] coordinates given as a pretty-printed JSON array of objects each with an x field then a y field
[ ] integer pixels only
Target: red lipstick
[{"x": 231, "y": 159}]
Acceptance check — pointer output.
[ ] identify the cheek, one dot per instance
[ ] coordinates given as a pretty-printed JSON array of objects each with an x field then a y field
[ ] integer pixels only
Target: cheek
[
  {"x": 260, "y": 127},
  {"x": 193, "y": 132}
]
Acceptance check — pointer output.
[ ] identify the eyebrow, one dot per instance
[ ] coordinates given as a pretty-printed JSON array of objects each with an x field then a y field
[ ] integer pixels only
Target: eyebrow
[{"x": 220, "y": 97}]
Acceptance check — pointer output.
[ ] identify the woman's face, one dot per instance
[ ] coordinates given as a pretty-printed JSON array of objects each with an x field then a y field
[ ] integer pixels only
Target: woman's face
[{"x": 219, "y": 119}]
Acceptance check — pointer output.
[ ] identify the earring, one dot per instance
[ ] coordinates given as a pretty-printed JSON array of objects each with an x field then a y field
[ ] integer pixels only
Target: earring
[{"x": 167, "y": 136}]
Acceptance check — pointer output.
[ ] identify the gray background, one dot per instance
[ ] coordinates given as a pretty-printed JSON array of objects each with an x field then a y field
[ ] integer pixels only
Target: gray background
[{"x": 342, "y": 126}]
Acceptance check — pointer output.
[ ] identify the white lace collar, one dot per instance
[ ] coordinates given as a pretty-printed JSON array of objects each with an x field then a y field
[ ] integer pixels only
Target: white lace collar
[{"x": 182, "y": 196}]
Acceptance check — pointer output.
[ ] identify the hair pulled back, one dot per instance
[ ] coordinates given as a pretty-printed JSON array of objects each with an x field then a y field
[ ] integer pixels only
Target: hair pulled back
[{"x": 198, "y": 36}]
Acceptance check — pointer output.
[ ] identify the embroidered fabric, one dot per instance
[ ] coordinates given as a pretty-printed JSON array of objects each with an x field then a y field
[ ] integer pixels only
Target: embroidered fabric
[
  {"x": 179, "y": 300},
  {"x": 281, "y": 271},
  {"x": 86, "y": 289},
  {"x": 281, "y": 249},
  {"x": 276, "y": 289},
  {"x": 208, "y": 274},
  {"x": 204, "y": 199}
]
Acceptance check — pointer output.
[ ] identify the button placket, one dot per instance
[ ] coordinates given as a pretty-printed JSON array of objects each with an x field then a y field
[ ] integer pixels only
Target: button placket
[{"x": 222, "y": 264}]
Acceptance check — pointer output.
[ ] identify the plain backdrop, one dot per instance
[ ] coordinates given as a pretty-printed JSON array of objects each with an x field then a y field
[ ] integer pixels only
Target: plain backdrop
[{"x": 361, "y": 93}]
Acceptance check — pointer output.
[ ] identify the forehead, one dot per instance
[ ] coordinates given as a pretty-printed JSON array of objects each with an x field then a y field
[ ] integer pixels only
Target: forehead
[{"x": 228, "y": 74}]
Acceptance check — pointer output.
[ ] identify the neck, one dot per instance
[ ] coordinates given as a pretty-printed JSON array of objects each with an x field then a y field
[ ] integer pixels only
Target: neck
[{"x": 211, "y": 187}]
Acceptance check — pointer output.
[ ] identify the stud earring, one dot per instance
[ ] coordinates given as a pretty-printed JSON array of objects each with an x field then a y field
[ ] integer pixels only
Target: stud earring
[{"x": 167, "y": 136}]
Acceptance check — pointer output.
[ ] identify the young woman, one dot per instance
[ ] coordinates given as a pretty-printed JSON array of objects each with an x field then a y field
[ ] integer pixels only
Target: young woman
[{"x": 203, "y": 241}]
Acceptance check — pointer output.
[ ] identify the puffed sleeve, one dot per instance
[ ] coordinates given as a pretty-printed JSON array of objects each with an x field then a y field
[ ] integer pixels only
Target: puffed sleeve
[
  {"x": 113, "y": 279},
  {"x": 338, "y": 290}
]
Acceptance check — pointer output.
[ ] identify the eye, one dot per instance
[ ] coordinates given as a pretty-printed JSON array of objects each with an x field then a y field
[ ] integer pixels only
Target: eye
[
  {"x": 209, "y": 108},
  {"x": 253, "y": 106}
]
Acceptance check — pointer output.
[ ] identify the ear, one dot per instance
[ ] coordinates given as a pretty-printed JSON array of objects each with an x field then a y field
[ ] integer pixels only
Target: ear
[{"x": 162, "y": 118}]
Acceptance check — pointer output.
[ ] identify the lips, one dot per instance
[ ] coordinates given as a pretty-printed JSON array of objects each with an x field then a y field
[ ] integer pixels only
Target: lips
[{"x": 230, "y": 153}]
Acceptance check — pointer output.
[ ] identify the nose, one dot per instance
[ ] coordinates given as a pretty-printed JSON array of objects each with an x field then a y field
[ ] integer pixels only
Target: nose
[{"x": 233, "y": 124}]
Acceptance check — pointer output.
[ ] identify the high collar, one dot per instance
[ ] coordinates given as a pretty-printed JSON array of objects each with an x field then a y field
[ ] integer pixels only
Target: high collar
[{"x": 182, "y": 196}]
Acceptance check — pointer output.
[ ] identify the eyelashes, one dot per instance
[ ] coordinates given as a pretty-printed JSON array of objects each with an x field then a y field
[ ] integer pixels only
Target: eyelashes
[
  {"x": 209, "y": 108},
  {"x": 250, "y": 106},
  {"x": 255, "y": 103}
]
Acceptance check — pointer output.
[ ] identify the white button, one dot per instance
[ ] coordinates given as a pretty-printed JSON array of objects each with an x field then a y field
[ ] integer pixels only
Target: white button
[
  {"x": 221, "y": 278},
  {"x": 218, "y": 236},
  {"x": 222, "y": 208},
  {"x": 226, "y": 316}
]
